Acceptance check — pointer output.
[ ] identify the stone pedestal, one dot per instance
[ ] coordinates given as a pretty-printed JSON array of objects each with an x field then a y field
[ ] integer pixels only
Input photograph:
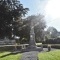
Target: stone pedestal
[{"x": 32, "y": 43}]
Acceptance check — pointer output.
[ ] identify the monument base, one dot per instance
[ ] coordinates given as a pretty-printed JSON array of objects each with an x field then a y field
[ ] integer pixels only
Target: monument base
[{"x": 32, "y": 48}]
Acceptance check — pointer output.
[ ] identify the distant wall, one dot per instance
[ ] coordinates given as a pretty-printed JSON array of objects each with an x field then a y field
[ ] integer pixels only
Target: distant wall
[{"x": 8, "y": 42}]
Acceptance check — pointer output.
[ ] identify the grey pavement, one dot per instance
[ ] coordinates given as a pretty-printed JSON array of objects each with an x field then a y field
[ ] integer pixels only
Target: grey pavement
[{"x": 32, "y": 55}]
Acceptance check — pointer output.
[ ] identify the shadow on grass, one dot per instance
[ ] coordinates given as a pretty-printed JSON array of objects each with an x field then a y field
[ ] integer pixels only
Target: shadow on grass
[{"x": 12, "y": 53}]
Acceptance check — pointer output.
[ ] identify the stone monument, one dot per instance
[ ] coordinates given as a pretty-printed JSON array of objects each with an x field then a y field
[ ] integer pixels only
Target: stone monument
[{"x": 32, "y": 43}]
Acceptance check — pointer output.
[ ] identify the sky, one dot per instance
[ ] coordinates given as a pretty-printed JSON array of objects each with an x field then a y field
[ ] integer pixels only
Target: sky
[{"x": 49, "y": 8}]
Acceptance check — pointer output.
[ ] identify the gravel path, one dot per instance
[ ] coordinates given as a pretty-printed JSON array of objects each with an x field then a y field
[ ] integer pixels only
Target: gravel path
[{"x": 32, "y": 55}]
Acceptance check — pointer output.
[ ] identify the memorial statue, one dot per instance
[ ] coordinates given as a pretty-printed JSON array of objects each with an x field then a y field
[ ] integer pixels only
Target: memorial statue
[{"x": 32, "y": 42}]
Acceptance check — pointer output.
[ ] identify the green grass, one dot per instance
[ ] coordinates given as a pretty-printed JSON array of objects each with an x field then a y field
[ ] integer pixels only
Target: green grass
[
  {"x": 9, "y": 57},
  {"x": 52, "y": 55}
]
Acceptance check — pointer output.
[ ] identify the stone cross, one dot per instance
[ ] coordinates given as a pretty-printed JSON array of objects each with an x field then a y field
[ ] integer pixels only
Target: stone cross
[{"x": 32, "y": 36}]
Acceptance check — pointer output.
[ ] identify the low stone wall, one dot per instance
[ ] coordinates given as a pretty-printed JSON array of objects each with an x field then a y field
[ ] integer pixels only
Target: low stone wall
[{"x": 7, "y": 42}]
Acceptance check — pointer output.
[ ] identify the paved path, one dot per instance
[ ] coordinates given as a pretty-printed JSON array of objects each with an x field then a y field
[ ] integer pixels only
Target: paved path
[{"x": 32, "y": 55}]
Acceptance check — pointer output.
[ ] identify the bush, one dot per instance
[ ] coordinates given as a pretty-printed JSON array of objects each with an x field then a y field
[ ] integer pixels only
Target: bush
[{"x": 52, "y": 41}]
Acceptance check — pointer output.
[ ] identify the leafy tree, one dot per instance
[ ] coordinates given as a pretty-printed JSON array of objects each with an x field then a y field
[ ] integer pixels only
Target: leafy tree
[
  {"x": 38, "y": 24},
  {"x": 25, "y": 32},
  {"x": 11, "y": 13},
  {"x": 53, "y": 32},
  {"x": 39, "y": 27}
]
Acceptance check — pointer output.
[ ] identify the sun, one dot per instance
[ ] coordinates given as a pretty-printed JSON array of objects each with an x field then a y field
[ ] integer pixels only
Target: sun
[{"x": 53, "y": 8}]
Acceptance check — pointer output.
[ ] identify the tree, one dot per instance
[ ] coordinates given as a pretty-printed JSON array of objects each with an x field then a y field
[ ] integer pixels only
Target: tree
[
  {"x": 11, "y": 13},
  {"x": 53, "y": 32},
  {"x": 39, "y": 28},
  {"x": 39, "y": 25},
  {"x": 25, "y": 32}
]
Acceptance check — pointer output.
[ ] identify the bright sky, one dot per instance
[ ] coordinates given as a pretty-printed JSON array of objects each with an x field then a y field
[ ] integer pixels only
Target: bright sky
[
  {"x": 50, "y": 8},
  {"x": 53, "y": 12}
]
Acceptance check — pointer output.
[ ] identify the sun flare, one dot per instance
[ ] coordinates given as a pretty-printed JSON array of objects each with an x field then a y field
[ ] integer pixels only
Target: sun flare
[{"x": 53, "y": 8}]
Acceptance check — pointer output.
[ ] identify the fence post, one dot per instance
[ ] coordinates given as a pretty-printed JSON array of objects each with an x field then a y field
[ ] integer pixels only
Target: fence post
[{"x": 49, "y": 47}]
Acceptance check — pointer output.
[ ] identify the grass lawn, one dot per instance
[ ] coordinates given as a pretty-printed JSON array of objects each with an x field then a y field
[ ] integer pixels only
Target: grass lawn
[
  {"x": 52, "y": 55},
  {"x": 6, "y": 56}
]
